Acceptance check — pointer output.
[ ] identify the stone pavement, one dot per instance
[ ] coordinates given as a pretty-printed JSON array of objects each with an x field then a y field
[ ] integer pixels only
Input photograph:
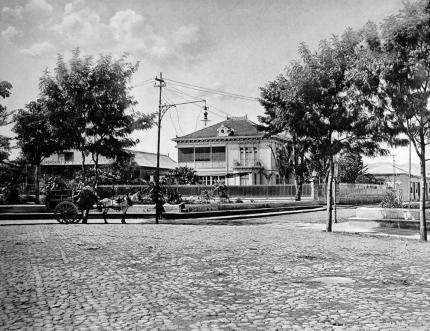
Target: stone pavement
[{"x": 263, "y": 276}]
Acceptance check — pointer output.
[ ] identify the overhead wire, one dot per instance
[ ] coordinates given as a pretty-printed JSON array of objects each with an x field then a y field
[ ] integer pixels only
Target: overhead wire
[
  {"x": 179, "y": 122},
  {"x": 170, "y": 114},
  {"x": 201, "y": 109},
  {"x": 211, "y": 90},
  {"x": 179, "y": 92},
  {"x": 144, "y": 82},
  {"x": 177, "y": 116}
]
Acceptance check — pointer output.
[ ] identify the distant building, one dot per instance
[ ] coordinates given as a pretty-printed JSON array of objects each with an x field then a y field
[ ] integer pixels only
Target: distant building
[
  {"x": 72, "y": 160},
  {"x": 233, "y": 151},
  {"x": 398, "y": 178}
]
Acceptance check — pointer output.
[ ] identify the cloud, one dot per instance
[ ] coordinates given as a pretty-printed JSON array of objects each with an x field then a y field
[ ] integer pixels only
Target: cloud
[
  {"x": 39, "y": 49},
  {"x": 74, "y": 6},
  {"x": 125, "y": 24},
  {"x": 12, "y": 13},
  {"x": 79, "y": 25},
  {"x": 187, "y": 34},
  {"x": 34, "y": 15},
  {"x": 10, "y": 33},
  {"x": 134, "y": 34},
  {"x": 38, "y": 8}
]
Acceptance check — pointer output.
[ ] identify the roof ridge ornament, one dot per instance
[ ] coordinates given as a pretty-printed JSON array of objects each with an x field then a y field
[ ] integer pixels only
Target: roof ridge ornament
[
  {"x": 237, "y": 118},
  {"x": 225, "y": 131}
]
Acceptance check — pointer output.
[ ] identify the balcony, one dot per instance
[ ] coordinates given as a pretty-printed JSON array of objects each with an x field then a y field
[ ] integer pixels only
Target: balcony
[
  {"x": 57, "y": 162},
  {"x": 204, "y": 164},
  {"x": 247, "y": 164}
]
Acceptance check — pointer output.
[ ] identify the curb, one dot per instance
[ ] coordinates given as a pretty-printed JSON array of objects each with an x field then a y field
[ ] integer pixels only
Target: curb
[{"x": 192, "y": 217}]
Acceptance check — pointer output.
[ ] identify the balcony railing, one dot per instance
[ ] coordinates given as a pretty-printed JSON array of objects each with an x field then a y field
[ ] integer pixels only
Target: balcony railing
[
  {"x": 57, "y": 162},
  {"x": 203, "y": 164},
  {"x": 247, "y": 164}
]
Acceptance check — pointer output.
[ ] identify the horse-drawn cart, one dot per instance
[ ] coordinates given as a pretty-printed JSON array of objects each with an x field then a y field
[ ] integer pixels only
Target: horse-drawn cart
[
  {"x": 69, "y": 206},
  {"x": 72, "y": 206}
]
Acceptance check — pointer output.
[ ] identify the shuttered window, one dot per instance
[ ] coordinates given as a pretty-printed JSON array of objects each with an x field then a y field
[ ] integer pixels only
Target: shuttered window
[
  {"x": 203, "y": 153},
  {"x": 218, "y": 153},
  {"x": 186, "y": 155}
]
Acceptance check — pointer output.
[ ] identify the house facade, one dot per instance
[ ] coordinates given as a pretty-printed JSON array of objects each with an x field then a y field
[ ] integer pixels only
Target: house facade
[
  {"x": 72, "y": 160},
  {"x": 233, "y": 151}
]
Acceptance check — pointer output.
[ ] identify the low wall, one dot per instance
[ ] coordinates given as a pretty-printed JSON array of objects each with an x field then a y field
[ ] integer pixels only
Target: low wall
[
  {"x": 390, "y": 213},
  {"x": 391, "y": 217},
  {"x": 241, "y": 206},
  {"x": 250, "y": 191},
  {"x": 354, "y": 194},
  {"x": 23, "y": 209}
]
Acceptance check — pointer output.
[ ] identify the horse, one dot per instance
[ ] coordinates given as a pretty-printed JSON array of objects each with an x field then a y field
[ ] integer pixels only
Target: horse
[{"x": 119, "y": 204}]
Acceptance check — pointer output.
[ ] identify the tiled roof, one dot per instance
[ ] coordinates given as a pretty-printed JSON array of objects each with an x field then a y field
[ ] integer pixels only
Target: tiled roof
[
  {"x": 241, "y": 127},
  {"x": 149, "y": 160}
]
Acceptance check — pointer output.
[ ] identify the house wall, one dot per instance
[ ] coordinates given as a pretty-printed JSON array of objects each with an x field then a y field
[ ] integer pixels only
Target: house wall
[
  {"x": 401, "y": 184},
  {"x": 62, "y": 159},
  {"x": 233, "y": 173}
]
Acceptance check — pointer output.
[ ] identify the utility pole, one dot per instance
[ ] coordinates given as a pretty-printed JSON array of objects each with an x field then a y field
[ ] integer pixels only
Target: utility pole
[
  {"x": 161, "y": 111},
  {"x": 394, "y": 172},
  {"x": 409, "y": 193},
  {"x": 157, "y": 172}
]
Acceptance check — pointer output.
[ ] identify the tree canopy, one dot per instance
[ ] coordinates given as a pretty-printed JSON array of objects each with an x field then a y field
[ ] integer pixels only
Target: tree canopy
[
  {"x": 35, "y": 136},
  {"x": 393, "y": 76},
  {"x": 90, "y": 105},
  {"x": 5, "y": 91},
  {"x": 314, "y": 102}
]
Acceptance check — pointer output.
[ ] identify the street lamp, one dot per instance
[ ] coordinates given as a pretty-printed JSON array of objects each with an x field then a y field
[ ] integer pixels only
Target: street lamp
[{"x": 162, "y": 109}]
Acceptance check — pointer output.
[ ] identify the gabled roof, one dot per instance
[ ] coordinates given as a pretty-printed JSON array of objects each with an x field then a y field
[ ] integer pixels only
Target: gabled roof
[
  {"x": 149, "y": 160},
  {"x": 241, "y": 127}
]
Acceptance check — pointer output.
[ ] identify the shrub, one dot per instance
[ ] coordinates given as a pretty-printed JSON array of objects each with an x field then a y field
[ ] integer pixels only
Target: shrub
[
  {"x": 391, "y": 200},
  {"x": 10, "y": 194}
]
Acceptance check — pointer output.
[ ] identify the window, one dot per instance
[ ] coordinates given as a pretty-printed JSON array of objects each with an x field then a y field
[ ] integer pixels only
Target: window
[
  {"x": 244, "y": 180},
  {"x": 218, "y": 153},
  {"x": 203, "y": 153},
  {"x": 249, "y": 156},
  {"x": 186, "y": 154}
]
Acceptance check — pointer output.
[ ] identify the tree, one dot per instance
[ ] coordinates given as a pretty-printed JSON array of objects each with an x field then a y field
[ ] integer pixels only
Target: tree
[
  {"x": 351, "y": 167},
  {"x": 394, "y": 77},
  {"x": 320, "y": 95},
  {"x": 90, "y": 101},
  {"x": 5, "y": 88},
  {"x": 35, "y": 136},
  {"x": 182, "y": 176},
  {"x": 283, "y": 115}
]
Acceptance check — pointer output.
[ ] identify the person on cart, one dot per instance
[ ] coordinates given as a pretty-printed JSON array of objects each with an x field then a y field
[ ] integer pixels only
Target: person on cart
[{"x": 85, "y": 197}]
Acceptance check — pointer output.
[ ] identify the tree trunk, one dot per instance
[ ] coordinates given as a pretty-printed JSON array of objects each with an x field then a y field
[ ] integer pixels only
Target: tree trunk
[
  {"x": 96, "y": 170},
  {"x": 423, "y": 224},
  {"x": 37, "y": 182},
  {"x": 83, "y": 162},
  {"x": 329, "y": 193},
  {"x": 299, "y": 188}
]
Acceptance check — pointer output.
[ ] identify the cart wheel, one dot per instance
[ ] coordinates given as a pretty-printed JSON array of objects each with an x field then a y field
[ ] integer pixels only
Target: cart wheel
[{"x": 66, "y": 212}]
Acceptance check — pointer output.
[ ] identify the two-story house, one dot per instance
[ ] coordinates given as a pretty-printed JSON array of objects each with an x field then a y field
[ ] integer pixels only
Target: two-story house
[{"x": 233, "y": 151}]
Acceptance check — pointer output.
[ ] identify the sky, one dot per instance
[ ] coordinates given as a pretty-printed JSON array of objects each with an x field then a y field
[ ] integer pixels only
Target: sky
[{"x": 235, "y": 46}]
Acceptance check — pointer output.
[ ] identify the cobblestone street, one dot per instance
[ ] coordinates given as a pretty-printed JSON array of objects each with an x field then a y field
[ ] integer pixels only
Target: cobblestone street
[{"x": 265, "y": 276}]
